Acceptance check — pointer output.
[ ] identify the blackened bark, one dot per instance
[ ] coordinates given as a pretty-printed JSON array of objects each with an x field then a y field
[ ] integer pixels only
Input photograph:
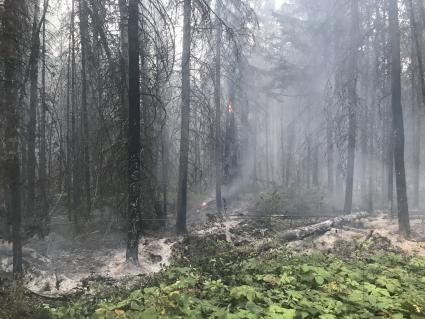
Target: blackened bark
[
  {"x": 371, "y": 164},
  {"x": 418, "y": 48},
  {"x": 352, "y": 105},
  {"x": 32, "y": 121},
  {"x": 267, "y": 136},
  {"x": 418, "y": 99},
  {"x": 76, "y": 191},
  {"x": 68, "y": 174},
  {"x": 164, "y": 176},
  {"x": 123, "y": 6},
  {"x": 398, "y": 126},
  {"x": 217, "y": 103},
  {"x": 149, "y": 199},
  {"x": 390, "y": 166},
  {"x": 84, "y": 25},
  {"x": 374, "y": 102},
  {"x": 255, "y": 159},
  {"x": 43, "y": 143},
  {"x": 417, "y": 127},
  {"x": 13, "y": 22},
  {"x": 123, "y": 87},
  {"x": 162, "y": 166},
  {"x": 282, "y": 145},
  {"x": 133, "y": 231},
  {"x": 185, "y": 121},
  {"x": 364, "y": 136},
  {"x": 416, "y": 132},
  {"x": 230, "y": 145},
  {"x": 291, "y": 148},
  {"x": 308, "y": 166}
]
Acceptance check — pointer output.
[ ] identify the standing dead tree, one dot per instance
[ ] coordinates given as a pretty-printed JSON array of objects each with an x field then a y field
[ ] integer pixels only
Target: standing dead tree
[
  {"x": 352, "y": 106},
  {"x": 133, "y": 212},
  {"x": 12, "y": 28},
  {"x": 397, "y": 120},
  {"x": 185, "y": 120}
]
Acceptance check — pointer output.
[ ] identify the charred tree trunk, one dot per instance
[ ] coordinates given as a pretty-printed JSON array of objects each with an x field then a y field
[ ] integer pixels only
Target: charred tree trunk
[
  {"x": 148, "y": 178},
  {"x": 364, "y": 135},
  {"x": 418, "y": 99},
  {"x": 43, "y": 142},
  {"x": 290, "y": 158},
  {"x": 123, "y": 93},
  {"x": 230, "y": 147},
  {"x": 371, "y": 152},
  {"x": 374, "y": 104},
  {"x": 308, "y": 161},
  {"x": 267, "y": 136},
  {"x": 255, "y": 159},
  {"x": 164, "y": 176},
  {"x": 217, "y": 103},
  {"x": 230, "y": 163},
  {"x": 13, "y": 21},
  {"x": 352, "y": 105},
  {"x": 416, "y": 132},
  {"x": 133, "y": 212},
  {"x": 185, "y": 121},
  {"x": 398, "y": 128},
  {"x": 76, "y": 191},
  {"x": 390, "y": 164},
  {"x": 124, "y": 55},
  {"x": 84, "y": 26},
  {"x": 418, "y": 48},
  {"x": 162, "y": 166},
  {"x": 370, "y": 195},
  {"x": 68, "y": 178},
  {"x": 282, "y": 146},
  {"x": 32, "y": 122}
]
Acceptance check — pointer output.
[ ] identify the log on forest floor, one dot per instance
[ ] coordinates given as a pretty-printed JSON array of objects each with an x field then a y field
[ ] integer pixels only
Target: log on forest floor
[{"x": 319, "y": 228}]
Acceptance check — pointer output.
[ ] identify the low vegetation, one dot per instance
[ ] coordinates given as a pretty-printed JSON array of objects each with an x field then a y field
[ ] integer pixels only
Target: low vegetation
[
  {"x": 212, "y": 278},
  {"x": 293, "y": 200}
]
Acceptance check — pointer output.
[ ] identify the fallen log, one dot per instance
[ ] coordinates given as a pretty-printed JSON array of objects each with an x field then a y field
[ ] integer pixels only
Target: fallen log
[{"x": 319, "y": 228}]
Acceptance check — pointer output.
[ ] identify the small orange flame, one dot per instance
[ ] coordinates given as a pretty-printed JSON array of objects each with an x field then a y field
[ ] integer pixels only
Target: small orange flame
[{"x": 230, "y": 108}]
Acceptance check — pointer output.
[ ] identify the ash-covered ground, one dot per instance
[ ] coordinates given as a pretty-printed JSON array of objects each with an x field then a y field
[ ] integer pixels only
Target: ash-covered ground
[{"x": 59, "y": 263}]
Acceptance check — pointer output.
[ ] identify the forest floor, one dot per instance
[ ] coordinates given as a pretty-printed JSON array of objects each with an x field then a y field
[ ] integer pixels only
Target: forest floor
[
  {"x": 378, "y": 226},
  {"x": 59, "y": 263},
  {"x": 63, "y": 264}
]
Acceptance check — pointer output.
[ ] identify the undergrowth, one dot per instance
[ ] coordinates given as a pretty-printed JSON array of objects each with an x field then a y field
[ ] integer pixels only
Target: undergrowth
[
  {"x": 292, "y": 200},
  {"x": 211, "y": 278}
]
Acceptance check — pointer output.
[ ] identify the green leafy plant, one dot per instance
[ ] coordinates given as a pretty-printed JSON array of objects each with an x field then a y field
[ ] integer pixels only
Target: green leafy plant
[
  {"x": 269, "y": 284},
  {"x": 291, "y": 200}
]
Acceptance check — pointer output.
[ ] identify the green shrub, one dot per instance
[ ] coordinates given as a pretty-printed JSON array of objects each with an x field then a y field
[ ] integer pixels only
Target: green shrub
[
  {"x": 270, "y": 284},
  {"x": 292, "y": 200}
]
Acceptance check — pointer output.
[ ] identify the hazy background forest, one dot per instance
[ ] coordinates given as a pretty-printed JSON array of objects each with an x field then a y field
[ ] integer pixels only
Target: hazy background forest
[{"x": 125, "y": 121}]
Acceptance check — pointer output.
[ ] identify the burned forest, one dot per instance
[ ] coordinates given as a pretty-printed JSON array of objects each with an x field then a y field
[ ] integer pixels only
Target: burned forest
[{"x": 212, "y": 159}]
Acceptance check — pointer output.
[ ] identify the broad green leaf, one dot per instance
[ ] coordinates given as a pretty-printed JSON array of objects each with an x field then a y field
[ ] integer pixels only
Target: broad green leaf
[{"x": 319, "y": 280}]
